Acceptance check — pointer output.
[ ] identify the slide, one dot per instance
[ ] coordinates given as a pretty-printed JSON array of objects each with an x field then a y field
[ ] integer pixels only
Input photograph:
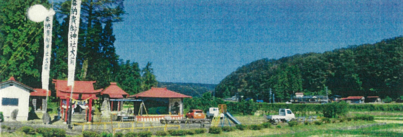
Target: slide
[{"x": 233, "y": 119}]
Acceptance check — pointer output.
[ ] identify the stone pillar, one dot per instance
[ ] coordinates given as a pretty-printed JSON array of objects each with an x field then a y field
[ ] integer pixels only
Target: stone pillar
[
  {"x": 34, "y": 103},
  {"x": 181, "y": 107},
  {"x": 44, "y": 105},
  {"x": 105, "y": 108},
  {"x": 67, "y": 110}
]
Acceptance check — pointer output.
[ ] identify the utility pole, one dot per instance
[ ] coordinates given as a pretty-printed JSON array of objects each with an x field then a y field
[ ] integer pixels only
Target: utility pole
[
  {"x": 270, "y": 98},
  {"x": 327, "y": 96}
]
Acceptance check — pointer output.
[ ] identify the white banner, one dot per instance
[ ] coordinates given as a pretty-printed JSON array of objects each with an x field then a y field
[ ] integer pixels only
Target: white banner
[
  {"x": 73, "y": 39},
  {"x": 47, "y": 37}
]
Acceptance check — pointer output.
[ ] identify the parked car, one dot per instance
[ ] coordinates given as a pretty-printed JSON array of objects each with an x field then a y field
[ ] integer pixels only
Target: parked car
[
  {"x": 196, "y": 114},
  {"x": 285, "y": 115}
]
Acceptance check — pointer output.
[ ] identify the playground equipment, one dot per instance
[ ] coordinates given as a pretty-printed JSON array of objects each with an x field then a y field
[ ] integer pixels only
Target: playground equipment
[{"x": 219, "y": 118}]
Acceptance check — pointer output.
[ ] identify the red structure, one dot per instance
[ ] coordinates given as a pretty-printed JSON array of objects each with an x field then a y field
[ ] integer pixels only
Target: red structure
[
  {"x": 115, "y": 92},
  {"x": 159, "y": 93},
  {"x": 174, "y": 99},
  {"x": 83, "y": 91}
]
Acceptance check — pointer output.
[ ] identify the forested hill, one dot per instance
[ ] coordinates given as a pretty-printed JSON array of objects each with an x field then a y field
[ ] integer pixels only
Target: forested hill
[
  {"x": 190, "y": 89},
  {"x": 368, "y": 69}
]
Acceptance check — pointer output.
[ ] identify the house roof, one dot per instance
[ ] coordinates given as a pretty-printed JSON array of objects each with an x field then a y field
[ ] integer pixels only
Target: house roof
[
  {"x": 159, "y": 93},
  {"x": 114, "y": 91},
  {"x": 12, "y": 80},
  {"x": 353, "y": 97},
  {"x": 80, "y": 87},
  {"x": 40, "y": 92}
]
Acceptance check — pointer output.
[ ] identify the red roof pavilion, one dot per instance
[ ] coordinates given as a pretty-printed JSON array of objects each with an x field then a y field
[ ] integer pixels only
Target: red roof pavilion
[
  {"x": 159, "y": 93},
  {"x": 85, "y": 88},
  {"x": 114, "y": 91},
  {"x": 39, "y": 92}
]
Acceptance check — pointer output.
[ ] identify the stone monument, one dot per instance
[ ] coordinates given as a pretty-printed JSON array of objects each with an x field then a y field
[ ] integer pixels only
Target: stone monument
[{"x": 105, "y": 108}]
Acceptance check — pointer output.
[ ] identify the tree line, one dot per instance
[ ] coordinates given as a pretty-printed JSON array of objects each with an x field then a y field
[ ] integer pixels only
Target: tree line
[
  {"x": 21, "y": 46},
  {"x": 359, "y": 70}
]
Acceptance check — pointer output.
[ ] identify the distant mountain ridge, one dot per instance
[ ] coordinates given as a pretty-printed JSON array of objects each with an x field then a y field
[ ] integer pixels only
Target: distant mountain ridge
[{"x": 190, "y": 89}]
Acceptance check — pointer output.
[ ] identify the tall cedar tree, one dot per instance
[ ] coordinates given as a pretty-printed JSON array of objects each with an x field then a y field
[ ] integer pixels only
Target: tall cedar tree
[
  {"x": 21, "y": 47},
  {"x": 148, "y": 77}
]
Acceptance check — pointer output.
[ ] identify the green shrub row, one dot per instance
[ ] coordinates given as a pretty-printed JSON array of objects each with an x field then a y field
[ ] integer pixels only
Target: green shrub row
[
  {"x": 366, "y": 118},
  {"x": 46, "y": 132},
  {"x": 104, "y": 134},
  {"x": 180, "y": 132},
  {"x": 376, "y": 107}
]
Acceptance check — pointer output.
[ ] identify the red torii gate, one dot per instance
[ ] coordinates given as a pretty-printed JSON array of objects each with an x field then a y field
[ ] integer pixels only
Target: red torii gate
[{"x": 83, "y": 90}]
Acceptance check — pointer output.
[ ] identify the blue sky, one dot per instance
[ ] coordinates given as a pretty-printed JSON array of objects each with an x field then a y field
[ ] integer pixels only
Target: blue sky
[{"x": 202, "y": 41}]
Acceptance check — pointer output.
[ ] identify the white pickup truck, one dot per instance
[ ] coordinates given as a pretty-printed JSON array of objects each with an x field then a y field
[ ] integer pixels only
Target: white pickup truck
[
  {"x": 213, "y": 112},
  {"x": 285, "y": 115}
]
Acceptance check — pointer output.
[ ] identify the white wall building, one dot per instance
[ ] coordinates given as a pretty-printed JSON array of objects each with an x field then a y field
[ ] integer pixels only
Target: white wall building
[{"x": 14, "y": 96}]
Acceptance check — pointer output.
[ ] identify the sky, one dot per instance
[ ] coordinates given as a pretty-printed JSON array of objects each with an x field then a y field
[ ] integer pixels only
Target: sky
[{"x": 203, "y": 41}]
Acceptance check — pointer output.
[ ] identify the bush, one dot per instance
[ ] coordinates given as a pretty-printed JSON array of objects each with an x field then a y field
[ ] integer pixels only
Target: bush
[
  {"x": 349, "y": 119},
  {"x": 118, "y": 134},
  {"x": 214, "y": 130},
  {"x": 1, "y": 117},
  {"x": 177, "y": 132},
  {"x": 46, "y": 132},
  {"x": 256, "y": 127},
  {"x": 161, "y": 133},
  {"x": 387, "y": 99},
  {"x": 190, "y": 132},
  {"x": 318, "y": 122},
  {"x": 293, "y": 123},
  {"x": 306, "y": 123},
  {"x": 200, "y": 131},
  {"x": 131, "y": 134},
  {"x": 278, "y": 126},
  {"x": 106, "y": 134},
  {"x": 341, "y": 120},
  {"x": 266, "y": 125},
  {"x": 326, "y": 120},
  {"x": 145, "y": 134},
  {"x": 228, "y": 129},
  {"x": 241, "y": 127},
  {"x": 90, "y": 134},
  {"x": 3, "y": 126},
  {"x": 27, "y": 130},
  {"x": 58, "y": 132}
]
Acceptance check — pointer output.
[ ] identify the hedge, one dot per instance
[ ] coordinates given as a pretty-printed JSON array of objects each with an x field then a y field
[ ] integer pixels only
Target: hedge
[
  {"x": 90, "y": 134},
  {"x": 214, "y": 130},
  {"x": 50, "y": 132}
]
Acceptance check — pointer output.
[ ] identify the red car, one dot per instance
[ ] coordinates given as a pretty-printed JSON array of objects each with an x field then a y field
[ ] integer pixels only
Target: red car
[{"x": 196, "y": 114}]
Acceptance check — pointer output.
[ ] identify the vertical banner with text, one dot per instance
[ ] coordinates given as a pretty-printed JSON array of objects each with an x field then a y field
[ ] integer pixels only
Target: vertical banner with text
[
  {"x": 47, "y": 32},
  {"x": 74, "y": 26}
]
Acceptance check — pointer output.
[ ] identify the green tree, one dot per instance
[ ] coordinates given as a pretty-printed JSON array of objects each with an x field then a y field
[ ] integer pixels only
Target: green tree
[
  {"x": 148, "y": 77},
  {"x": 128, "y": 77},
  {"x": 21, "y": 42}
]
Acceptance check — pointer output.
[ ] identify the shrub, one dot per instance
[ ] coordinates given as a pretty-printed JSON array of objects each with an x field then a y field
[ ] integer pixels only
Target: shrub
[
  {"x": 349, "y": 119},
  {"x": 342, "y": 120},
  {"x": 256, "y": 127},
  {"x": 131, "y": 134},
  {"x": 90, "y": 134},
  {"x": 161, "y": 133},
  {"x": 1, "y": 117},
  {"x": 106, "y": 134},
  {"x": 293, "y": 123},
  {"x": 241, "y": 127},
  {"x": 326, "y": 120},
  {"x": 306, "y": 123},
  {"x": 190, "y": 132},
  {"x": 318, "y": 122},
  {"x": 28, "y": 130},
  {"x": 58, "y": 132},
  {"x": 387, "y": 99},
  {"x": 278, "y": 126},
  {"x": 118, "y": 134},
  {"x": 200, "y": 131},
  {"x": 228, "y": 129},
  {"x": 3, "y": 126},
  {"x": 214, "y": 130},
  {"x": 145, "y": 134},
  {"x": 177, "y": 132},
  {"x": 266, "y": 125}
]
